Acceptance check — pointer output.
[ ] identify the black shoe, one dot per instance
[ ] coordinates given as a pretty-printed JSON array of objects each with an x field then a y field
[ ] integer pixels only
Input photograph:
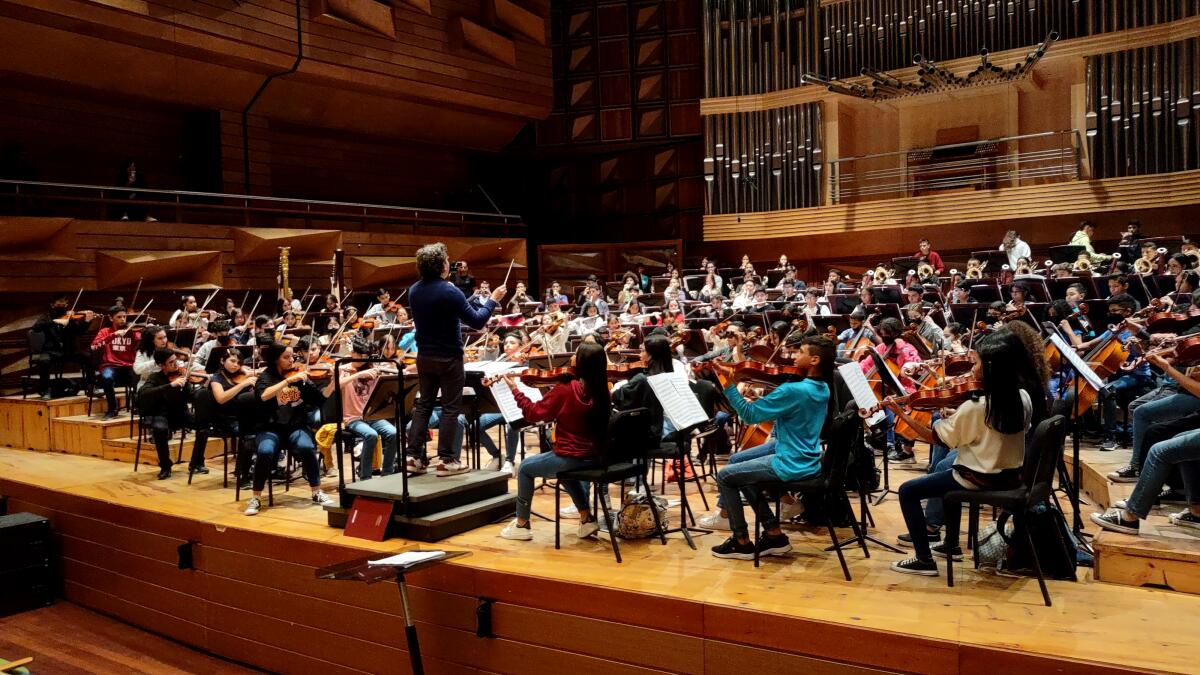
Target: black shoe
[
  {"x": 202, "y": 470},
  {"x": 924, "y": 568},
  {"x": 931, "y": 537},
  {"x": 1111, "y": 520},
  {"x": 1108, "y": 445},
  {"x": 1128, "y": 474},
  {"x": 110, "y": 415},
  {"x": 901, "y": 457},
  {"x": 774, "y": 545},
  {"x": 939, "y": 550},
  {"x": 1172, "y": 496},
  {"x": 245, "y": 483},
  {"x": 732, "y": 549},
  {"x": 164, "y": 474}
]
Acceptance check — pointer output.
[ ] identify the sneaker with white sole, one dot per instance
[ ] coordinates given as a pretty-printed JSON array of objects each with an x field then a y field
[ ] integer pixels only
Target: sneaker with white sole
[
  {"x": 916, "y": 566},
  {"x": 1185, "y": 518},
  {"x": 713, "y": 521},
  {"x": 253, "y": 506},
  {"x": 516, "y": 532},
  {"x": 451, "y": 468},
  {"x": 589, "y": 528},
  {"x": 788, "y": 511},
  {"x": 322, "y": 499},
  {"x": 939, "y": 550},
  {"x": 508, "y": 469},
  {"x": 774, "y": 545},
  {"x": 492, "y": 465},
  {"x": 568, "y": 512},
  {"x": 415, "y": 466},
  {"x": 1111, "y": 520},
  {"x": 1127, "y": 474}
]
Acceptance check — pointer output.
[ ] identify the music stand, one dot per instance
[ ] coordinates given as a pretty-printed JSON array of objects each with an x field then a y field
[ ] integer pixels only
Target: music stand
[
  {"x": 1066, "y": 253},
  {"x": 906, "y": 264},
  {"x": 1082, "y": 372},
  {"x": 843, "y": 303},
  {"x": 387, "y": 392},
  {"x": 361, "y": 570},
  {"x": 839, "y": 322},
  {"x": 970, "y": 313},
  {"x": 183, "y": 338},
  {"x": 886, "y": 295},
  {"x": 897, "y": 389},
  {"x": 985, "y": 292},
  {"x": 886, "y": 311},
  {"x": 993, "y": 260}
]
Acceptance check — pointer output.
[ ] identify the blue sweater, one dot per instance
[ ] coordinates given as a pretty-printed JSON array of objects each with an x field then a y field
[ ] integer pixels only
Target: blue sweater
[
  {"x": 798, "y": 410},
  {"x": 437, "y": 307}
]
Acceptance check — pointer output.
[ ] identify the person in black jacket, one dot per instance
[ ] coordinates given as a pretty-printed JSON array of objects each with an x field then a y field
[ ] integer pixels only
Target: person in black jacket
[
  {"x": 59, "y": 334},
  {"x": 162, "y": 403},
  {"x": 284, "y": 422},
  {"x": 636, "y": 392}
]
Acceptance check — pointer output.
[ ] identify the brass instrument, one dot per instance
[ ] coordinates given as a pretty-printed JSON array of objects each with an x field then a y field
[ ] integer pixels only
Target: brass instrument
[
  {"x": 924, "y": 271},
  {"x": 1082, "y": 264},
  {"x": 1024, "y": 267},
  {"x": 1194, "y": 254},
  {"x": 974, "y": 270},
  {"x": 1143, "y": 266},
  {"x": 881, "y": 275}
]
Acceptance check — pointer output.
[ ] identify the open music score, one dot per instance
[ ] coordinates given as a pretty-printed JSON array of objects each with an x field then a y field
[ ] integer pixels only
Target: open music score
[
  {"x": 860, "y": 389},
  {"x": 678, "y": 401},
  {"x": 508, "y": 403},
  {"x": 1093, "y": 380}
]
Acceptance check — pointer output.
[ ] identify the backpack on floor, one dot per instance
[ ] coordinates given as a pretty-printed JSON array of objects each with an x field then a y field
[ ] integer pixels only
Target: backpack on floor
[
  {"x": 1055, "y": 544},
  {"x": 635, "y": 521}
]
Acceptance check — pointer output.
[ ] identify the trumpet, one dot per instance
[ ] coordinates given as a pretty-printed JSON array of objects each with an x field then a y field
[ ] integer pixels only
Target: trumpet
[
  {"x": 1082, "y": 264},
  {"x": 924, "y": 271}
]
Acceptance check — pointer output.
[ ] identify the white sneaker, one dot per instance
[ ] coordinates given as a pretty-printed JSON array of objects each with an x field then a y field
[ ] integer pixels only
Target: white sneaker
[
  {"x": 508, "y": 469},
  {"x": 788, "y": 511},
  {"x": 588, "y": 529},
  {"x": 445, "y": 469},
  {"x": 492, "y": 465},
  {"x": 253, "y": 506},
  {"x": 568, "y": 512},
  {"x": 415, "y": 466},
  {"x": 713, "y": 521},
  {"x": 516, "y": 533},
  {"x": 322, "y": 499}
]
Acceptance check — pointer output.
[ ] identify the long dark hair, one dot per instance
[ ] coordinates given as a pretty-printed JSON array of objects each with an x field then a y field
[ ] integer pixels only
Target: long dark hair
[
  {"x": 591, "y": 367},
  {"x": 146, "y": 346},
  {"x": 271, "y": 353},
  {"x": 658, "y": 349},
  {"x": 1006, "y": 367}
]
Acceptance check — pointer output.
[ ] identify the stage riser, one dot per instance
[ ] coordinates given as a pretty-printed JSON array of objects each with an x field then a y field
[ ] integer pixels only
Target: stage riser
[
  {"x": 25, "y": 423},
  {"x": 253, "y": 597},
  {"x": 437, "y": 527}
]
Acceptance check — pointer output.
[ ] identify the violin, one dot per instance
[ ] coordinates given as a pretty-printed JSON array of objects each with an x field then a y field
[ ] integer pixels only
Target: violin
[
  {"x": 243, "y": 374},
  {"x": 193, "y": 376},
  {"x": 953, "y": 393},
  {"x": 959, "y": 364},
  {"x": 624, "y": 371},
  {"x": 321, "y": 370},
  {"x": 758, "y": 373},
  {"x": 546, "y": 377}
]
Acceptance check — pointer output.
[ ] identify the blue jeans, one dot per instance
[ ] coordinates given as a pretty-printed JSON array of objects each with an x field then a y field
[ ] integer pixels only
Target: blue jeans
[
  {"x": 935, "y": 514},
  {"x": 765, "y": 450},
  {"x": 737, "y": 480},
  {"x": 930, "y": 487},
  {"x": 370, "y": 433},
  {"x": 1153, "y": 407},
  {"x": 1184, "y": 450},
  {"x": 512, "y": 436},
  {"x": 108, "y": 382},
  {"x": 1126, "y": 387},
  {"x": 548, "y": 465},
  {"x": 302, "y": 446}
]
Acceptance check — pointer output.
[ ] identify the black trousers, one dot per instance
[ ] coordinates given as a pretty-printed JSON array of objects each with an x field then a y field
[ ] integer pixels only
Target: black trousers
[
  {"x": 160, "y": 428},
  {"x": 82, "y": 360},
  {"x": 434, "y": 372}
]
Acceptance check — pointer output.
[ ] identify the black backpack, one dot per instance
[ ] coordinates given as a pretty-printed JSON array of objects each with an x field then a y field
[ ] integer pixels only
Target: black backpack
[{"x": 1051, "y": 536}]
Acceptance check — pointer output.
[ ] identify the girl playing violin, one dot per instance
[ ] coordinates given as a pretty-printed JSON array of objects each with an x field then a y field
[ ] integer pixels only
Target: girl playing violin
[
  {"x": 988, "y": 435},
  {"x": 580, "y": 409},
  {"x": 286, "y": 394},
  {"x": 232, "y": 388},
  {"x": 357, "y": 381}
]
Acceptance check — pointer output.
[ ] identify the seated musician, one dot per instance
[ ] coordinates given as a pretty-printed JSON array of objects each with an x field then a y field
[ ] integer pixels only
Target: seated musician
[
  {"x": 814, "y": 304},
  {"x": 151, "y": 340},
  {"x": 988, "y": 434},
  {"x": 117, "y": 347},
  {"x": 556, "y": 295},
  {"x": 1124, "y": 385},
  {"x": 263, "y": 331},
  {"x": 187, "y": 315},
  {"x": 219, "y": 329},
  {"x": 893, "y": 349},
  {"x": 383, "y": 311},
  {"x": 636, "y": 392},
  {"x": 995, "y": 315},
  {"x": 961, "y": 293},
  {"x": 232, "y": 390},
  {"x": 1064, "y": 318},
  {"x": 286, "y": 397},
  {"x": 1083, "y": 237},
  {"x": 857, "y": 319},
  {"x": 744, "y": 297},
  {"x": 1118, "y": 284},
  {"x": 925, "y": 252},
  {"x": 552, "y": 336},
  {"x": 580, "y": 410},
  {"x": 331, "y": 316},
  {"x": 163, "y": 406},
  {"x": 633, "y": 313},
  {"x": 718, "y": 282},
  {"x": 787, "y": 291},
  {"x": 1186, "y": 282},
  {"x": 926, "y": 329},
  {"x": 799, "y": 409},
  {"x": 588, "y": 321},
  {"x": 512, "y": 349},
  {"x": 955, "y": 335},
  {"x": 357, "y": 382},
  {"x": 519, "y": 298},
  {"x": 1060, "y": 271},
  {"x": 1182, "y": 450},
  {"x": 1017, "y": 297},
  {"x": 915, "y": 295},
  {"x": 60, "y": 331}
]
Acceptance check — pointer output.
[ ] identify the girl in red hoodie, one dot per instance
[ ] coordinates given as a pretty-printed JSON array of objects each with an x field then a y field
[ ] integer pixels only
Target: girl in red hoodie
[{"x": 580, "y": 410}]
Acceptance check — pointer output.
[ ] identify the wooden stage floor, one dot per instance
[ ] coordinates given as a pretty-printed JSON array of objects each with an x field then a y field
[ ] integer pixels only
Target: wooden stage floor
[{"x": 664, "y": 609}]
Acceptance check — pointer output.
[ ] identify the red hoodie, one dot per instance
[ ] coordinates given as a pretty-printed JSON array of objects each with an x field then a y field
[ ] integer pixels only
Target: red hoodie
[
  {"x": 569, "y": 406},
  {"x": 119, "y": 350}
]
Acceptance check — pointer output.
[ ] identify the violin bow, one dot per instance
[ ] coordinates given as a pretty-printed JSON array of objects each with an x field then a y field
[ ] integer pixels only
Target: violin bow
[
  {"x": 76, "y": 303},
  {"x": 133, "y": 303},
  {"x": 135, "y": 319}
]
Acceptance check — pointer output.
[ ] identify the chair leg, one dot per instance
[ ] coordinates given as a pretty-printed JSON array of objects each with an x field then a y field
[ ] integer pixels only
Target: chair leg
[
  {"x": 557, "y": 517},
  {"x": 608, "y": 519},
  {"x": 657, "y": 524},
  {"x": 691, "y": 464},
  {"x": 1037, "y": 566},
  {"x": 137, "y": 451},
  {"x": 179, "y": 453},
  {"x": 754, "y": 539},
  {"x": 973, "y": 529},
  {"x": 838, "y": 549},
  {"x": 952, "y": 526}
]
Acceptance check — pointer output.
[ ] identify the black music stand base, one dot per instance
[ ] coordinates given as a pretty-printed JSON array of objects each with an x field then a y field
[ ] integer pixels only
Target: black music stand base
[
  {"x": 863, "y": 535},
  {"x": 410, "y": 628}
]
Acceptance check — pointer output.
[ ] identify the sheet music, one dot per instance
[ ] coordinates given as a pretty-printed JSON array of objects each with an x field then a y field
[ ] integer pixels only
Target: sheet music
[
  {"x": 407, "y": 559},
  {"x": 860, "y": 389},
  {"x": 508, "y": 403},
  {"x": 679, "y": 402},
  {"x": 1077, "y": 363},
  {"x": 491, "y": 369}
]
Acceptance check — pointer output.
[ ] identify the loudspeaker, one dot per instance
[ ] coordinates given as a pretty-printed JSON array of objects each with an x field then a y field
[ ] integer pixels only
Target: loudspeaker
[{"x": 27, "y": 576}]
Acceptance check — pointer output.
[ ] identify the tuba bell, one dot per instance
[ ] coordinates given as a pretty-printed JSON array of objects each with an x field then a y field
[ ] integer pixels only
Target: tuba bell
[
  {"x": 924, "y": 271},
  {"x": 881, "y": 275},
  {"x": 1143, "y": 266}
]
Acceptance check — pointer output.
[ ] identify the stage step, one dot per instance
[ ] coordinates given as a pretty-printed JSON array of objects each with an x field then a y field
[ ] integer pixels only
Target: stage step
[
  {"x": 429, "y": 494},
  {"x": 1095, "y": 465},
  {"x": 438, "y": 526},
  {"x": 25, "y": 422},
  {"x": 1161, "y": 555},
  {"x": 123, "y": 449},
  {"x": 83, "y": 435}
]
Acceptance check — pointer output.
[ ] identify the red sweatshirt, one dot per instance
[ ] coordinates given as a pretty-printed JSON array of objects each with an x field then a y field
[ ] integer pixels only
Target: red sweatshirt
[
  {"x": 568, "y": 405},
  {"x": 119, "y": 350}
]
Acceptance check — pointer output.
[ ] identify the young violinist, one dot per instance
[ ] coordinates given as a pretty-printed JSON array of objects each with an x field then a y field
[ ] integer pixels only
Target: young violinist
[
  {"x": 799, "y": 409},
  {"x": 357, "y": 381},
  {"x": 162, "y": 404},
  {"x": 152, "y": 339},
  {"x": 117, "y": 347},
  {"x": 285, "y": 392},
  {"x": 552, "y": 335},
  {"x": 188, "y": 315},
  {"x": 219, "y": 330},
  {"x": 580, "y": 409},
  {"x": 512, "y": 350},
  {"x": 232, "y": 388},
  {"x": 896, "y": 351},
  {"x": 636, "y": 392},
  {"x": 1181, "y": 450},
  {"x": 384, "y": 310},
  {"x": 60, "y": 329},
  {"x": 988, "y": 435}
]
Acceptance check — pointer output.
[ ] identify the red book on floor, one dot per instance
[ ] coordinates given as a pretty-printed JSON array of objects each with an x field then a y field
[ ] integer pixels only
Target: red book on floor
[{"x": 368, "y": 518}]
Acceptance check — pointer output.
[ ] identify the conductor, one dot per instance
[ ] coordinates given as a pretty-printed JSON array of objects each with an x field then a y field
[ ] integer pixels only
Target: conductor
[{"x": 437, "y": 308}]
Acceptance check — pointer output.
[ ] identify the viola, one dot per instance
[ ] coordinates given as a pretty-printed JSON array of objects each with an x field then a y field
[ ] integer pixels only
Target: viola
[
  {"x": 241, "y": 375},
  {"x": 951, "y": 394},
  {"x": 761, "y": 373},
  {"x": 546, "y": 377},
  {"x": 959, "y": 364},
  {"x": 624, "y": 371},
  {"x": 193, "y": 376}
]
